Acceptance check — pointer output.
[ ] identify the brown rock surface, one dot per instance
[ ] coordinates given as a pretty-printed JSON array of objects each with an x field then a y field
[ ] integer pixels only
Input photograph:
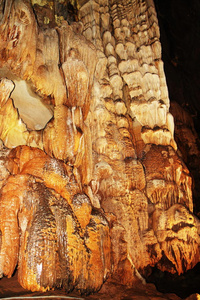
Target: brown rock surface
[
  {"x": 44, "y": 232},
  {"x": 99, "y": 189},
  {"x": 110, "y": 290}
]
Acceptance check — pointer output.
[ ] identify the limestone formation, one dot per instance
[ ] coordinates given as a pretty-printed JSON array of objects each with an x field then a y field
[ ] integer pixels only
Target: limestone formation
[{"x": 92, "y": 184}]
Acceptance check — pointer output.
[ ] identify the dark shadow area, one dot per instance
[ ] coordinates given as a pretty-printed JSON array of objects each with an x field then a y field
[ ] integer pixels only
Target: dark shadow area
[
  {"x": 182, "y": 285},
  {"x": 180, "y": 39}
]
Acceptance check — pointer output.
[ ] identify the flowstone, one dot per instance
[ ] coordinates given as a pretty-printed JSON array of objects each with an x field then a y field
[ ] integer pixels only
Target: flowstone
[{"x": 92, "y": 186}]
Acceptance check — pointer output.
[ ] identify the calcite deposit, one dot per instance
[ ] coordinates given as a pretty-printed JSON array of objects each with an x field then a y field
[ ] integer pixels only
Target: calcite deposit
[{"x": 92, "y": 184}]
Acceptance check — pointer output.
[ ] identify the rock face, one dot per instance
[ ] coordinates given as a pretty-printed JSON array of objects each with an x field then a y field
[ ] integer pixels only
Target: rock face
[
  {"x": 92, "y": 186},
  {"x": 51, "y": 230}
]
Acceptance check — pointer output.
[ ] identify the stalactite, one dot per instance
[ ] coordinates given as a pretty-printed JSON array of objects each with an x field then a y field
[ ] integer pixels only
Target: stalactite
[{"x": 98, "y": 189}]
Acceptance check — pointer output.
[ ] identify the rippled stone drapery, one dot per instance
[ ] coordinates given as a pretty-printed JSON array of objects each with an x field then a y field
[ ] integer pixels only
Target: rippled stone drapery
[{"x": 99, "y": 189}]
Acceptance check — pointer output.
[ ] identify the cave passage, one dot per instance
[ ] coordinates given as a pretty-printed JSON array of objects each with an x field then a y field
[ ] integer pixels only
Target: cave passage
[{"x": 182, "y": 285}]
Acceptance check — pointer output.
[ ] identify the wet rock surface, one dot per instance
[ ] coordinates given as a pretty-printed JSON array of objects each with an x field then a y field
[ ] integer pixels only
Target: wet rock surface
[{"x": 110, "y": 290}]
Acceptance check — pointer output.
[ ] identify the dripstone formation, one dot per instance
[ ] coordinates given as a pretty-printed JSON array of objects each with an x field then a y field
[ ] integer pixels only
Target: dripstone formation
[{"x": 91, "y": 182}]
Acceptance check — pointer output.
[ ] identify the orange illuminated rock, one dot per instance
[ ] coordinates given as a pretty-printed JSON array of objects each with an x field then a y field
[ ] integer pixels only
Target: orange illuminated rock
[
  {"x": 61, "y": 137},
  {"x": 11, "y": 201},
  {"x": 91, "y": 182},
  {"x": 46, "y": 234},
  {"x": 168, "y": 179},
  {"x": 178, "y": 237},
  {"x": 82, "y": 207}
]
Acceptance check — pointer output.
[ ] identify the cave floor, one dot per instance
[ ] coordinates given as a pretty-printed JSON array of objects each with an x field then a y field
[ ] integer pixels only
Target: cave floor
[{"x": 11, "y": 289}]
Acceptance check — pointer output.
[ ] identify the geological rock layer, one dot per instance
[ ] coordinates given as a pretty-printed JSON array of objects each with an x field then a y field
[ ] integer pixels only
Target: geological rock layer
[{"x": 91, "y": 182}]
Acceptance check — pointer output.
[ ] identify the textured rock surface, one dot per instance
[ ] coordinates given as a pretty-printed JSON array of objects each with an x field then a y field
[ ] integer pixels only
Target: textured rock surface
[
  {"x": 44, "y": 232},
  {"x": 188, "y": 142},
  {"x": 101, "y": 190}
]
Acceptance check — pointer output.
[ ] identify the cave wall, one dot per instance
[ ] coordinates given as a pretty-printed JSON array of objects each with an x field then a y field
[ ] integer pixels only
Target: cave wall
[{"x": 91, "y": 181}]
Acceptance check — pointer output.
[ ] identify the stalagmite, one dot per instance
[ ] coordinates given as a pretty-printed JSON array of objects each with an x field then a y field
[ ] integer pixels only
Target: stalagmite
[{"x": 92, "y": 184}]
